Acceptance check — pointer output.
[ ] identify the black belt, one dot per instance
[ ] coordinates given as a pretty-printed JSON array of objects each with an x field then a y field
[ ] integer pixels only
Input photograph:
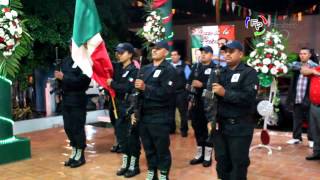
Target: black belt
[
  {"x": 155, "y": 111},
  {"x": 73, "y": 93},
  {"x": 232, "y": 121},
  {"x": 178, "y": 91}
]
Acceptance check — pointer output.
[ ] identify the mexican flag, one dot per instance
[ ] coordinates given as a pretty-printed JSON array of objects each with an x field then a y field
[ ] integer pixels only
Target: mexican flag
[{"x": 88, "y": 48}]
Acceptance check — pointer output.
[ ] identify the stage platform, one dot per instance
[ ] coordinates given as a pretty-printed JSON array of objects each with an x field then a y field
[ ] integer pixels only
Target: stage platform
[{"x": 50, "y": 149}]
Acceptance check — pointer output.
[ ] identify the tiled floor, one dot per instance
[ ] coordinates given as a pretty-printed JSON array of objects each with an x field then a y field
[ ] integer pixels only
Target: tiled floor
[{"x": 49, "y": 150}]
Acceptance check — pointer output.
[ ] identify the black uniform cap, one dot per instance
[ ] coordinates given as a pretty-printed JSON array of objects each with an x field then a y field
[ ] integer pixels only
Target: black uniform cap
[{"x": 122, "y": 47}]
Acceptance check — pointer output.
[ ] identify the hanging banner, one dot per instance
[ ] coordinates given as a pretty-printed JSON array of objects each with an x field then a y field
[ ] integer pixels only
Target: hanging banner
[{"x": 209, "y": 35}]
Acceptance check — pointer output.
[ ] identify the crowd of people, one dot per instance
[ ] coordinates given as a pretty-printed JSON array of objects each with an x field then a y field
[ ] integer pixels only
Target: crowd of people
[{"x": 218, "y": 96}]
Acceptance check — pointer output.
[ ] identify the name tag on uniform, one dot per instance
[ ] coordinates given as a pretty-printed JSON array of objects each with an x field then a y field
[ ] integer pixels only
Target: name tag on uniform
[
  {"x": 125, "y": 74},
  {"x": 157, "y": 73},
  {"x": 207, "y": 71},
  {"x": 235, "y": 77},
  {"x": 74, "y": 65}
]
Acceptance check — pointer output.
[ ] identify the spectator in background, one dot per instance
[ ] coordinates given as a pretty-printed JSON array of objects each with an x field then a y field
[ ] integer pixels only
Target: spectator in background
[
  {"x": 219, "y": 58},
  {"x": 180, "y": 101},
  {"x": 298, "y": 98},
  {"x": 314, "y": 75}
]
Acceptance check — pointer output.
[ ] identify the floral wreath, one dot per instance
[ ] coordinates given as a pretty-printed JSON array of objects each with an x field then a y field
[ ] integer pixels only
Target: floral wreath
[
  {"x": 10, "y": 31},
  {"x": 153, "y": 30},
  {"x": 269, "y": 59}
]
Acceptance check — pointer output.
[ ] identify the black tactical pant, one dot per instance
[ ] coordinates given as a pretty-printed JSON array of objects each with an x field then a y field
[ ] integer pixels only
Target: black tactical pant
[
  {"x": 232, "y": 152},
  {"x": 74, "y": 119},
  {"x": 172, "y": 114},
  {"x": 199, "y": 124},
  {"x": 182, "y": 105},
  {"x": 315, "y": 121},
  {"x": 300, "y": 114},
  {"x": 156, "y": 141},
  {"x": 180, "y": 101},
  {"x": 113, "y": 121},
  {"x": 129, "y": 143}
]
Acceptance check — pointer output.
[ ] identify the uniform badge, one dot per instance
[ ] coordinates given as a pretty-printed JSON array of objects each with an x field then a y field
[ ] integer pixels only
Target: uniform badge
[
  {"x": 125, "y": 74},
  {"x": 207, "y": 71},
  {"x": 156, "y": 73},
  {"x": 74, "y": 65},
  {"x": 235, "y": 77},
  {"x": 170, "y": 83}
]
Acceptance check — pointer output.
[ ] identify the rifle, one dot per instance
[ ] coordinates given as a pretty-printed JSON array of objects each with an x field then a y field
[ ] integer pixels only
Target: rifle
[
  {"x": 58, "y": 62},
  {"x": 136, "y": 103},
  {"x": 57, "y": 67},
  {"x": 192, "y": 91},
  {"x": 210, "y": 100}
]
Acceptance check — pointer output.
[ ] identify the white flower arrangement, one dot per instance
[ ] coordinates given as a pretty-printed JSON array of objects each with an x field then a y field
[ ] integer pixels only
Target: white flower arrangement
[
  {"x": 10, "y": 31},
  {"x": 268, "y": 58},
  {"x": 153, "y": 30}
]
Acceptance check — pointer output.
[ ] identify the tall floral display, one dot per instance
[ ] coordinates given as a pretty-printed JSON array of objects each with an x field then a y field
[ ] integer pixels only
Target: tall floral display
[
  {"x": 270, "y": 61},
  {"x": 14, "y": 43},
  {"x": 158, "y": 25}
]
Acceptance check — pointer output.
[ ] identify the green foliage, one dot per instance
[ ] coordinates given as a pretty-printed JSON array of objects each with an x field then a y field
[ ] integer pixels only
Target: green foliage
[
  {"x": 292, "y": 57},
  {"x": 9, "y": 66}
]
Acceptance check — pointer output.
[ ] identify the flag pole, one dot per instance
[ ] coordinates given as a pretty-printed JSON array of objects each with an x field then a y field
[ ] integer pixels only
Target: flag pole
[{"x": 114, "y": 108}]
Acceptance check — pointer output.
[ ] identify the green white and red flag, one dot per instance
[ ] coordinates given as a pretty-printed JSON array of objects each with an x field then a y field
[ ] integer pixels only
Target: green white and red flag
[{"x": 88, "y": 48}]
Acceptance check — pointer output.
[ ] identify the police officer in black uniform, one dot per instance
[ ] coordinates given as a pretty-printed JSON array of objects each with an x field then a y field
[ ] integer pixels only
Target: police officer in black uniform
[
  {"x": 74, "y": 100},
  {"x": 198, "y": 80},
  {"x": 236, "y": 91},
  {"x": 181, "y": 96},
  {"x": 123, "y": 84},
  {"x": 157, "y": 87}
]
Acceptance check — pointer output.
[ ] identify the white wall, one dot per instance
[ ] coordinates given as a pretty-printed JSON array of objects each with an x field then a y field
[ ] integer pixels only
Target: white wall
[{"x": 38, "y": 124}]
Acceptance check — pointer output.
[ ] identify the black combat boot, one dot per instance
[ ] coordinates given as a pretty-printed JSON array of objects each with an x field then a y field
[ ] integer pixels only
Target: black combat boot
[
  {"x": 125, "y": 165},
  {"x": 71, "y": 158},
  {"x": 79, "y": 159},
  {"x": 198, "y": 159},
  {"x": 152, "y": 174},
  {"x": 133, "y": 169}
]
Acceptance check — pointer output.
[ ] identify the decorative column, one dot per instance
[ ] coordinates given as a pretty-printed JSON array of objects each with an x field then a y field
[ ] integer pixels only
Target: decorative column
[{"x": 12, "y": 148}]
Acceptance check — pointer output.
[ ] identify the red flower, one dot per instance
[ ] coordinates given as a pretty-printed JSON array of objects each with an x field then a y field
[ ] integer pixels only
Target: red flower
[
  {"x": 268, "y": 55},
  {"x": 280, "y": 70},
  {"x": 259, "y": 64},
  {"x": 1, "y": 39},
  {"x": 270, "y": 66},
  {"x": 270, "y": 43},
  {"x": 9, "y": 47},
  {"x": 6, "y": 10}
]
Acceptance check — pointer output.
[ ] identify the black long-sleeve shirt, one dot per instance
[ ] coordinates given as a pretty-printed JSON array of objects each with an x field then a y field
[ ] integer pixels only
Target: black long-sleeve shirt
[
  {"x": 74, "y": 84},
  {"x": 240, "y": 87},
  {"x": 159, "y": 87},
  {"x": 201, "y": 73},
  {"x": 123, "y": 81}
]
